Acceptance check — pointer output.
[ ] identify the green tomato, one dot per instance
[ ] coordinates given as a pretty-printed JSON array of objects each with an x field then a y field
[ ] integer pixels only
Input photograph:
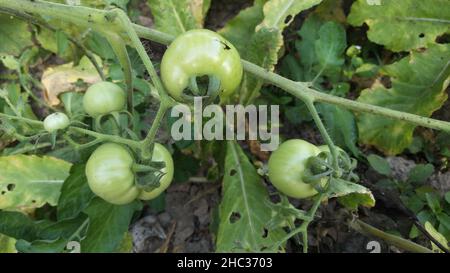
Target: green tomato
[
  {"x": 160, "y": 153},
  {"x": 56, "y": 121},
  {"x": 200, "y": 52},
  {"x": 110, "y": 174},
  {"x": 287, "y": 166},
  {"x": 103, "y": 98}
]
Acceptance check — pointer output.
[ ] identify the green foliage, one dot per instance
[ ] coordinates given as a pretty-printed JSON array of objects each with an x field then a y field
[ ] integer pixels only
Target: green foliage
[
  {"x": 173, "y": 16},
  {"x": 242, "y": 211},
  {"x": 30, "y": 181},
  {"x": 15, "y": 36},
  {"x": 108, "y": 224},
  {"x": 416, "y": 195},
  {"x": 418, "y": 86},
  {"x": 401, "y": 63},
  {"x": 402, "y": 25}
]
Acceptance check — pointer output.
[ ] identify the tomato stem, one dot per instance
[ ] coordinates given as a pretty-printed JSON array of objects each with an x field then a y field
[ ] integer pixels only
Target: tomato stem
[
  {"x": 323, "y": 131},
  {"x": 150, "y": 138}
]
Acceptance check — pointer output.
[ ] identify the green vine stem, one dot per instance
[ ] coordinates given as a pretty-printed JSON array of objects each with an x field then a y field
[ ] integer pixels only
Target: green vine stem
[
  {"x": 119, "y": 48},
  {"x": 303, "y": 228},
  {"x": 150, "y": 138},
  {"x": 303, "y": 91},
  {"x": 99, "y": 136},
  {"x": 399, "y": 242},
  {"x": 323, "y": 131}
]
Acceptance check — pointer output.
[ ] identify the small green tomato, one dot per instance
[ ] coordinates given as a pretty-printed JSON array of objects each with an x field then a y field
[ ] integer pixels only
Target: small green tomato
[
  {"x": 104, "y": 98},
  {"x": 56, "y": 121}
]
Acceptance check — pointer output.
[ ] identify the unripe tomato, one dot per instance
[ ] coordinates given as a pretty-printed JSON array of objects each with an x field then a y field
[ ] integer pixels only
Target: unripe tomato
[
  {"x": 56, "y": 121},
  {"x": 200, "y": 52},
  {"x": 103, "y": 98},
  {"x": 160, "y": 153},
  {"x": 287, "y": 167},
  {"x": 110, "y": 175}
]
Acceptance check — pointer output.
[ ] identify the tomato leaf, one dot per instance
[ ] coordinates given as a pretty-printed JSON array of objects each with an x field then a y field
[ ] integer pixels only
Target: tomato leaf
[
  {"x": 75, "y": 194},
  {"x": 280, "y": 13},
  {"x": 30, "y": 181},
  {"x": 420, "y": 173},
  {"x": 265, "y": 40},
  {"x": 14, "y": 35},
  {"x": 40, "y": 236},
  {"x": 379, "y": 164},
  {"x": 243, "y": 25},
  {"x": 173, "y": 16},
  {"x": 243, "y": 212},
  {"x": 7, "y": 244},
  {"x": 263, "y": 24},
  {"x": 351, "y": 195},
  {"x": 418, "y": 87},
  {"x": 341, "y": 126},
  {"x": 403, "y": 25},
  {"x": 330, "y": 47},
  {"x": 108, "y": 224}
]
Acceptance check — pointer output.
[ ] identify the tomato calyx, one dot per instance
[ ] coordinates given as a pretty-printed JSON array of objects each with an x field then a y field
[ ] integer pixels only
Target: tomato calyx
[
  {"x": 320, "y": 166},
  {"x": 200, "y": 87},
  {"x": 153, "y": 175}
]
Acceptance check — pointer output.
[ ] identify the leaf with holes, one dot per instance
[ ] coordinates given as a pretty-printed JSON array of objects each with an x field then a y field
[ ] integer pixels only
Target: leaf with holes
[
  {"x": 263, "y": 51},
  {"x": 243, "y": 25},
  {"x": 280, "y": 13},
  {"x": 30, "y": 181},
  {"x": 173, "y": 16},
  {"x": 351, "y": 195},
  {"x": 243, "y": 212},
  {"x": 418, "y": 87},
  {"x": 402, "y": 25}
]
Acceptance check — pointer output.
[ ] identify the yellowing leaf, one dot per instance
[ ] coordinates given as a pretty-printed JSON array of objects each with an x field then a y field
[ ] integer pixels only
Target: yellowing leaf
[
  {"x": 402, "y": 25},
  {"x": 64, "y": 78},
  {"x": 30, "y": 181},
  {"x": 418, "y": 87},
  {"x": 280, "y": 13},
  {"x": 199, "y": 9}
]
